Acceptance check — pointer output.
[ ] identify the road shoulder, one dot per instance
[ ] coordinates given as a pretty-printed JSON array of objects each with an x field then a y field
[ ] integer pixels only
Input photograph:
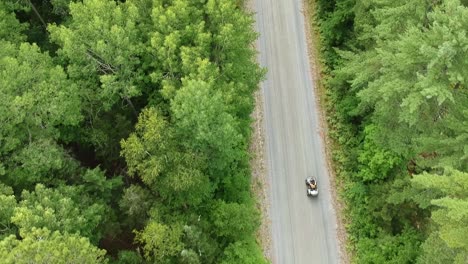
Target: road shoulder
[{"x": 260, "y": 187}]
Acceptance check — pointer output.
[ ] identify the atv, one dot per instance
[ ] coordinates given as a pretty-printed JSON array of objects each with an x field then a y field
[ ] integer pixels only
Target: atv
[{"x": 312, "y": 189}]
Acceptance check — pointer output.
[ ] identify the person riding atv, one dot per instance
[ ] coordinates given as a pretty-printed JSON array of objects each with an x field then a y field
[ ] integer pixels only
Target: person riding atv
[{"x": 311, "y": 186}]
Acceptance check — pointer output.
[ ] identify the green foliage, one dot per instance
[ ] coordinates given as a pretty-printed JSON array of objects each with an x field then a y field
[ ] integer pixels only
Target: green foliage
[
  {"x": 7, "y": 207},
  {"x": 184, "y": 72},
  {"x": 10, "y": 28},
  {"x": 451, "y": 216},
  {"x": 135, "y": 203},
  {"x": 208, "y": 42},
  {"x": 412, "y": 93},
  {"x": 392, "y": 19},
  {"x": 235, "y": 59},
  {"x": 44, "y": 246},
  {"x": 201, "y": 119},
  {"x": 95, "y": 184},
  {"x": 12, "y": 5},
  {"x": 179, "y": 41},
  {"x": 397, "y": 103},
  {"x": 241, "y": 252},
  {"x": 449, "y": 143},
  {"x": 161, "y": 242},
  {"x": 153, "y": 154},
  {"x": 103, "y": 61},
  {"x": 102, "y": 48},
  {"x": 58, "y": 210},
  {"x": 105, "y": 133},
  {"x": 336, "y": 27},
  {"x": 61, "y": 7},
  {"x": 235, "y": 221},
  {"x": 38, "y": 98},
  {"x": 189, "y": 256},
  {"x": 129, "y": 257},
  {"x": 198, "y": 246},
  {"x": 435, "y": 250},
  {"x": 402, "y": 248},
  {"x": 147, "y": 141},
  {"x": 38, "y": 160},
  {"x": 375, "y": 163}
]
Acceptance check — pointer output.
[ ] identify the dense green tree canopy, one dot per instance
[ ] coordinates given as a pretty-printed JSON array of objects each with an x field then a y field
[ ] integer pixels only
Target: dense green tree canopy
[
  {"x": 124, "y": 125},
  {"x": 161, "y": 242},
  {"x": 398, "y": 104},
  {"x": 201, "y": 117},
  {"x": 44, "y": 246},
  {"x": 102, "y": 46},
  {"x": 152, "y": 153},
  {"x": 450, "y": 219},
  {"x": 235, "y": 221},
  {"x": 60, "y": 209},
  {"x": 10, "y": 28},
  {"x": 241, "y": 252},
  {"x": 37, "y": 98}
]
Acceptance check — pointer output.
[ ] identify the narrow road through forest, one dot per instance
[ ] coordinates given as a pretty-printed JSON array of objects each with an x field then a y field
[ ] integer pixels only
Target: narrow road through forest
[{"x": 303, "y": 229}]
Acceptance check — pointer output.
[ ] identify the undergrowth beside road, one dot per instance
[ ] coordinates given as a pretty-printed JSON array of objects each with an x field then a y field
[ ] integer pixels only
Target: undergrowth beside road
[{"x": 395, "y": 91}]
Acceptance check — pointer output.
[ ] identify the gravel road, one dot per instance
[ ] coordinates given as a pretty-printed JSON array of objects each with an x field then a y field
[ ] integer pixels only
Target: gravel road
[{"x": 303, "y": 229}]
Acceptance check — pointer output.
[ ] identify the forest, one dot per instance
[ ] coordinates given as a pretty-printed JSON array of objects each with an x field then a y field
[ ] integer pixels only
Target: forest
[
  {"x": 125, "y": 128},
  {"x": 397, "y": 101}
]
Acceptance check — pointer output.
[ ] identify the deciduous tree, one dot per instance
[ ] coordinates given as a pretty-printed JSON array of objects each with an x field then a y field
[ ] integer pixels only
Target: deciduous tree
[{"x": 44, "y": 246}]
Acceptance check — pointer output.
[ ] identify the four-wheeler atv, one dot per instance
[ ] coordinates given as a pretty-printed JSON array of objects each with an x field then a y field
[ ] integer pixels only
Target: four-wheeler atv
[{"x": 312, "y": 189}]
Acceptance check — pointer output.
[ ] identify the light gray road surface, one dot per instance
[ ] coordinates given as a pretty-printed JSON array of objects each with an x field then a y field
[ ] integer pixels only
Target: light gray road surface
[{"x": 303, "y": 228}]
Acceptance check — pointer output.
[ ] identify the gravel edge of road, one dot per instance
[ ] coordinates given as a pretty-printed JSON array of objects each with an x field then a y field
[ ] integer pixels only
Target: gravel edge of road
[
  {"x": 259, "y": 183},
  {"x": 313, "y": 50}
]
